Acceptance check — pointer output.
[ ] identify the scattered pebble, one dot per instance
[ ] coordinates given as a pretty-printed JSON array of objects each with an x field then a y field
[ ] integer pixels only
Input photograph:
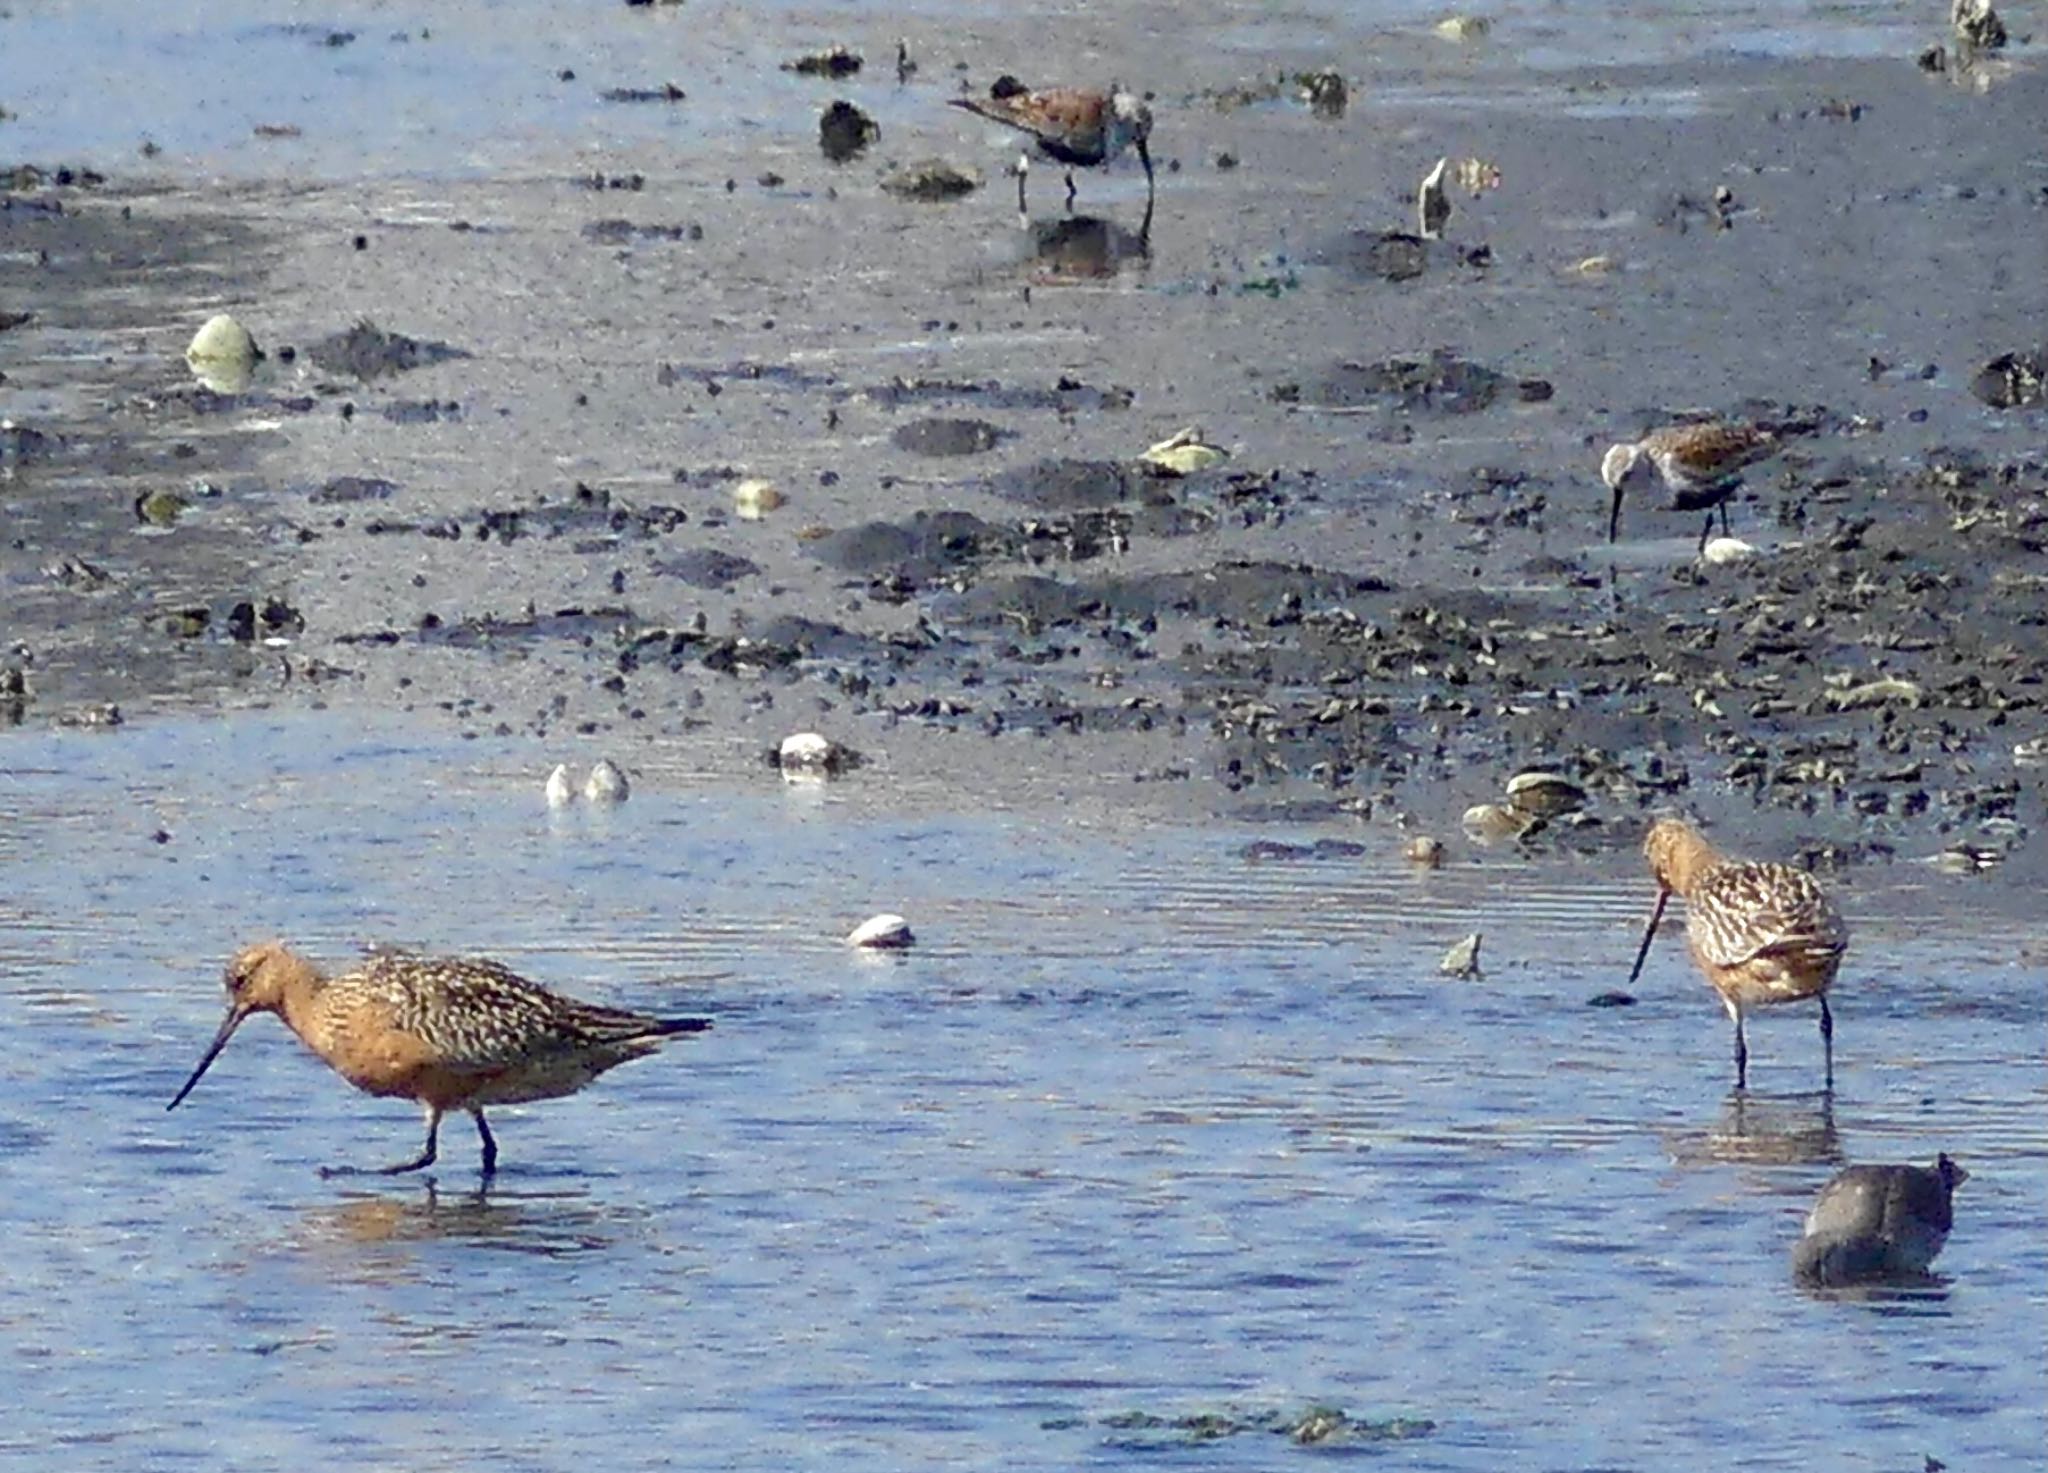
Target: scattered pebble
[
  {"x": 932, "y": 180},
  {"x": 1611, "y": 1000},
  {"x": 882, "y": 933},
  {"x": 560, "y": 793},
  {"x": 1463, "y": 27},
  {"x": 1425, "y": 851},
  {"x": 1490, "y": 823}
]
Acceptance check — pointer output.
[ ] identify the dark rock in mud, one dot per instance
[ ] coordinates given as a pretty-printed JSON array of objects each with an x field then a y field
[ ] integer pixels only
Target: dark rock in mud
[
  {"x": 1390, "y": 255},
  {"x": 666, "y": 92},
  {"x": 835, "y": 62},
  {"x": 705, "y": 567},
  {"x": 21, "y": 443},
  {"x": 347, "y": 490},
  {"x": 929, "y": 546},
  {"x": 422, "y": 411},
  {"x": 946, "y": 436},
  {"x": 931, "y": 181},
  {"x": 1069, "y": 485},
  {"x": 1439, "y": 384},
  {"x": 2012, "y": 380},
  {"x": 845, "y": 132},
  {"x": 625, "y": 232},
  {"x": 367, "y": 352},
  {"x": 1067, "y": 396},
  {"x": 11, "y": 320}
]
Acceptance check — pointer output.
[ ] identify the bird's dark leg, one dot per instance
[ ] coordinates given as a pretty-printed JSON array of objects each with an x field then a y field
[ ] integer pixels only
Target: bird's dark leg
[
  {"x": 1070, "y": 191},
  {"x": 1614, "y": 516},
  {"x": 1708, "y": 530},
  {"x": 1741, "y": 1056},
  {"x": 1724, "y": 514},
  {"x": 1827, "y": 1039},
  {"x": 490, "y": 1142},
  {"x": 423, "y": 1160}
]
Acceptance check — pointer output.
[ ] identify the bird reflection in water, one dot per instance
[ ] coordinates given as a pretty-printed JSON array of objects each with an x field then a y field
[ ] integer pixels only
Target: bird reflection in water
[
  {"x": 547, "y": 1225},
  {"x": 1086, "y": 248},
  {"x": 1766, "y": 1130}
]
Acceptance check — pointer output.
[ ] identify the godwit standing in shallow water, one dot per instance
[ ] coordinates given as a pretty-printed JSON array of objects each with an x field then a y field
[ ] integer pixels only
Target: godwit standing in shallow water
[
  {"x": 1762, "y": 933},
  {"x": 1875, "y": 1222},
  {"x": 453, "y": 1034},
  {"x": 1699, "y": 464},
  {"x": 1081, "y": 127}
]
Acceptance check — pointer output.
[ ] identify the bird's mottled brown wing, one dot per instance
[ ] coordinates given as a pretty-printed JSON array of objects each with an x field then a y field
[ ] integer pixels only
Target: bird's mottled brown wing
[
  {"x": 478, "y": 1014},
  {"x": 1741, "y": 911},
  {"x": 1707, "y": 450},
  {"x": 1072, "y": 115}
]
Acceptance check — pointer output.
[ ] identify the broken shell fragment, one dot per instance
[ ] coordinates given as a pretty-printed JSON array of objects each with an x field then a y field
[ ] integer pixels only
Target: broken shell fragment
[
  {"x": 560, "y": 793},
  {"x": 1463, "y": 27},
  {"x": 1544, "y": 794},
  {"x": 1462, "y": 960},
  {"x": 606, "y": 784},
  {"x": 882, "y": 933},
  {"x": 1722, "y": 551},
  {"x": 1183, "y": 454}
]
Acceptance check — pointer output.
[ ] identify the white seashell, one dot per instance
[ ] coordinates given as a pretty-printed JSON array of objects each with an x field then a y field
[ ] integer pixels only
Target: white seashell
[
  {"x": 221, "y": 339},
  {"x": 1183, "y": 454},
  {"x": 754, "y": 498},
  {"x": 882, "y": 932},
  {"x": 606, "y": 783},
  {"x": 1724, "y": 550},
  {"x": 808, "y": 752},
  {"x": 560, "y": 793}
]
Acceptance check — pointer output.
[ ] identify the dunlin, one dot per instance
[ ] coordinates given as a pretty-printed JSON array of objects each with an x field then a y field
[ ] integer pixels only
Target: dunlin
[
  {"x": 1079, "y": 127},
  {"x": 450, "y": 1033},
  {"x": 1762, "y": 933},
  {"x": 1700, "y": 465}
]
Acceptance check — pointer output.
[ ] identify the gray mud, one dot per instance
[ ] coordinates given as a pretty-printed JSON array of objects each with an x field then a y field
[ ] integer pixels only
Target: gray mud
[{"x": 515, "y": 487}]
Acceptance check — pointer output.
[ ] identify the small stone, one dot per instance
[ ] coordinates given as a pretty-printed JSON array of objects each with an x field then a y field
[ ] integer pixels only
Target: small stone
[
  {"x": 1462, "y": 960},
  {"x": 560, "y": 793},
  {"x": 1424, "y": 850},
  {"x": 1611, "y": 1000},
  {"x": 1463, "y": 27},
  {"x": 1722, "y": 551},
  {"x": 809, "y": 756}
]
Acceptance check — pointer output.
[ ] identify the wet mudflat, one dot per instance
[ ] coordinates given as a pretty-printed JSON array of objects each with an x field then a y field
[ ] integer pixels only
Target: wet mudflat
[
  {"x": 1169, "y": 1132},
  {"x": 1216, "y": 1144}
]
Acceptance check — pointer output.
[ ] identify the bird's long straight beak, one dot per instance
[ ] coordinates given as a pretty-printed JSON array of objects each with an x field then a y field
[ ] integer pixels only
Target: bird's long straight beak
[
  {"x": 220, "y": 1041},
  {"x": 1649, "y": 934}
]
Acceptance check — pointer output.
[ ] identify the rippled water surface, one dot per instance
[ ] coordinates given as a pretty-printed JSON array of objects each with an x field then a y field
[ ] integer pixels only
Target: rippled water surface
[{"x": 1143, "y": 1125}]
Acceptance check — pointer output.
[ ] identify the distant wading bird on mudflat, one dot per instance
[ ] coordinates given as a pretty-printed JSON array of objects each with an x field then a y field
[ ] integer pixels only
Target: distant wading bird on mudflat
[
  {"x": 1700, "y": 465},
  {"x": 1762, "y": 933},
  {"x": 1080, "y": 127},
  {"x": 450, "y": 1033}
]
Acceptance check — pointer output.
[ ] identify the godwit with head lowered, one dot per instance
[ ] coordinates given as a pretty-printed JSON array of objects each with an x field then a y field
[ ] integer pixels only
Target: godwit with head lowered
[
  {"x": 1700, "y": 465},
  {"x": 1875, "y": 1222},
  {"x": 450, "y": 1033},
  {"x": 1762, "y": 933},
  {"x": 1080, "y": 127}
]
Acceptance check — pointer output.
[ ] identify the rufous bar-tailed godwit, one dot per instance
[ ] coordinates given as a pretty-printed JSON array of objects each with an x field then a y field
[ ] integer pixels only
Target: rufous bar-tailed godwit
[
  {"x": 1762, "y": 933},
  {"x": 450, "y": 1033}
]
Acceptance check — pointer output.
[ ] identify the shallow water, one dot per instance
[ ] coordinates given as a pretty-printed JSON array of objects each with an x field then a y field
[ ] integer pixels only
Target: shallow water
[{"x": 1141, "y": 1124}]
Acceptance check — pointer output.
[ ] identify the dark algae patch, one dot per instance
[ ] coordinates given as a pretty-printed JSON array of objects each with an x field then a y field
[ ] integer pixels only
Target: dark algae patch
[{"x": 1311, "y": 1426}]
